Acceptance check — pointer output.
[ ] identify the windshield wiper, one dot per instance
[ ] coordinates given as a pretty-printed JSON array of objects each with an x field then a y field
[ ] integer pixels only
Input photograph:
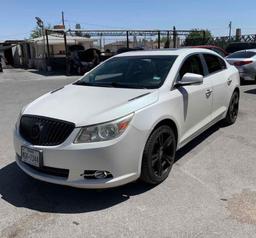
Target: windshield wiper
[
  {"x": 83, "y": 83},
  {"x": 93, "y": 84},
  {"x": 111, "y": 84},
  {"x": 124, "y": 85}
]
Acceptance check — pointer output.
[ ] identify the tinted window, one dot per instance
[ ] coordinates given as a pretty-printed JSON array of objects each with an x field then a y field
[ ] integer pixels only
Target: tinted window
[
  {"x": 130, "y": 72},
  {"x": 192, "y": 65},
  {"x": 244, "y": 54},
  {"x": 222, "y": 63},
  {"x": 213, "y": 63}
]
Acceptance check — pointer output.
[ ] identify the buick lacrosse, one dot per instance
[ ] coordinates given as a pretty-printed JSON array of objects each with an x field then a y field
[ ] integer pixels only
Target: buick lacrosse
[{"x": 125, "y": 119}]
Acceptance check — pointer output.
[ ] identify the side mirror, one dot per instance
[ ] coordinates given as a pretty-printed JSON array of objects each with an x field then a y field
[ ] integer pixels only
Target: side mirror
[{"x": 190, "y": 79}]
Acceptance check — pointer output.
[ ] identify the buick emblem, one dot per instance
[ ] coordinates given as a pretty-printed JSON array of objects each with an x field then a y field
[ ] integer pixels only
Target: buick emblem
[{"x": 36, "y": 131}]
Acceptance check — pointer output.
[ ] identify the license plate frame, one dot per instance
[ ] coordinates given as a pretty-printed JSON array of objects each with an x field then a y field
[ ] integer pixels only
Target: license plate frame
[{"x": 32, "y": 156}]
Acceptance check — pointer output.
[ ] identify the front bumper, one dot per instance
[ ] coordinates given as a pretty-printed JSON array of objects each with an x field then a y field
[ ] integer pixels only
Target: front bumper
[{"x": 121, "y": 157}]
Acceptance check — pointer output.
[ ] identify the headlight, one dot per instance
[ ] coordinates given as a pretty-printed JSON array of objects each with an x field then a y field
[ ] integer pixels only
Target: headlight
[{"x": 103, "y": 132}]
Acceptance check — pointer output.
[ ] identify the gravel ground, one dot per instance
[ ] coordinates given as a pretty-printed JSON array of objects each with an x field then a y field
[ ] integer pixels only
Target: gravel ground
[{"x": 211, "y": 191}]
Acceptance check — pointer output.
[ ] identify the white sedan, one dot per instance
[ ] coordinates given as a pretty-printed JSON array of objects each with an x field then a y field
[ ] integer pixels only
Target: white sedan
[
  {"x": 125, "y": 119},
  {"x": 245, "y": 61}
]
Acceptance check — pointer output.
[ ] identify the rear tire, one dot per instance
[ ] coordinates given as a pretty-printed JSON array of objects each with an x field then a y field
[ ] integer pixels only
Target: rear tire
[
  {"x": 232, "y": 110},
  {"x": 158, "y": 155}
]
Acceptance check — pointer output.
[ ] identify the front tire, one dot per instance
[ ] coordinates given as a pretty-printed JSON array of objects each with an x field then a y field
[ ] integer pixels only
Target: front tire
[
  {"x": 232, "y": 110},
  {"x": 158, "y": 155}
]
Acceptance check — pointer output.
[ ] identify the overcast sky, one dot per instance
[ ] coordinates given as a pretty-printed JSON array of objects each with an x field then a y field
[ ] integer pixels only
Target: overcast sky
[{"x": 17, "y": 17}]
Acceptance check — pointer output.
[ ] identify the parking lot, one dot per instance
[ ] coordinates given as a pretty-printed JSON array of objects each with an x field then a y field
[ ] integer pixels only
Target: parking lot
[{"x": 210, "y": 192}]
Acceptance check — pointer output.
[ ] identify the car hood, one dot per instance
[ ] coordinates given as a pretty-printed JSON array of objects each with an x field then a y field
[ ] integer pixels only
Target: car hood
[{"x": 87, "y": 105}]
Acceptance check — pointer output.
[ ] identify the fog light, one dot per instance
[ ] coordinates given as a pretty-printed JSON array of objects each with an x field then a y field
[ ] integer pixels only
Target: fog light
[
  {"x": 100, "y": 174},
  {"x": 96, "y": 174}
]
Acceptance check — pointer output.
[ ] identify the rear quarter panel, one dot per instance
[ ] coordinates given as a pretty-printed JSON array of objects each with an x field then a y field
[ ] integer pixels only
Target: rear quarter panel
[{"x": 235, "y": 77}]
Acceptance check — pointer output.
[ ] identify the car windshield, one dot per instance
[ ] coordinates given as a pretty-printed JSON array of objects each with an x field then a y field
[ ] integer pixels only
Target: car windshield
[
  {"x": 130, "y": 72},
  {"x": 243, "y": 55}
]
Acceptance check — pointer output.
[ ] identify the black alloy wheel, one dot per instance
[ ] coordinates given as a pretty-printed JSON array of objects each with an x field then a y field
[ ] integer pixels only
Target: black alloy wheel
[
  {"x": 232, "y": 110},
  {"x": 159, "y": 155}
]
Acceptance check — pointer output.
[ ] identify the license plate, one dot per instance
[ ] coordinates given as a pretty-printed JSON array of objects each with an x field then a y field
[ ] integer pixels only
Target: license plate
[{"x": 31, "y": 156}]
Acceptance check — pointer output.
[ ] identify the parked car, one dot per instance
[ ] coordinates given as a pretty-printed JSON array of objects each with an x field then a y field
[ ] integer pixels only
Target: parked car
[
  {"x": 125, "y": 49},
  {"x": 106, "y": 55},
  {"x": 245, "y": 61},
  {"x": 125, "y": 119},
  {"x": 214, "y": 48},
  {"x": 237, "y": 46},
  {"x": 83, "y": 61},
  {"x": 73, "y": 48}
]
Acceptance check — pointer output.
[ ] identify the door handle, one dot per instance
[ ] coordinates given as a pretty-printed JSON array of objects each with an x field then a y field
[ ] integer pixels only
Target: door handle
[
  {"x": 229, "y": 82},
  {"x": 208, "y": 93}
]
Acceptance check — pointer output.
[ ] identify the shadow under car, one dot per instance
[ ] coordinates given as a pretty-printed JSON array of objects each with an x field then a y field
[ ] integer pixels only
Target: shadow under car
[{"x": 21, "y": 190}]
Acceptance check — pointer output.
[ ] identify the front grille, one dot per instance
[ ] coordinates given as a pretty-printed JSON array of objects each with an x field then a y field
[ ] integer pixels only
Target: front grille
[{"x": 44, "y": 131}]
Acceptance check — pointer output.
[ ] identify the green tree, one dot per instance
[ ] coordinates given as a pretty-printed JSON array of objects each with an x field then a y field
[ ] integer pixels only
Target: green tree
[
  {"x": 197, "y": 37},
  {"x": 37, "y": 31}
]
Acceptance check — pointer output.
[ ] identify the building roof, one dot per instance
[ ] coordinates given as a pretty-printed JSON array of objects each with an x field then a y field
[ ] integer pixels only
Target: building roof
[{"x": 55, "y": 40}]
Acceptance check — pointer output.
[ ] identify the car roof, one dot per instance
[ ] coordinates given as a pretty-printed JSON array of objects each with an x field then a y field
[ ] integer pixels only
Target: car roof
[
  {"x": 208, "y": 47},
  {"x": 174, "y": 51},
  {"x": 245, "y": 50},
  {"x": 205, "y": 46}
]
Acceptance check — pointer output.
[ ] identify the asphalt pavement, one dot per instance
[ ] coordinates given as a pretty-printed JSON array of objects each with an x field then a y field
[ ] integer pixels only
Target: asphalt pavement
[{"x": 211, "y": 191}]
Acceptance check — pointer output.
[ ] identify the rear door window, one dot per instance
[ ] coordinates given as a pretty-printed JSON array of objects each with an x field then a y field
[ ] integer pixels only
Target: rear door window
[
  {"x": 222, "y": 63},
  {"x": 214, "y": 63}
]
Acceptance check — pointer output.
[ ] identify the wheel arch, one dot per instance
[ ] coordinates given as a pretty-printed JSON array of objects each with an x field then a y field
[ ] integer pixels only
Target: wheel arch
[
  {"x": 237, "y": 90},
  {"x": 163, "y": 121},
  {"x": 168, "y": 122}
]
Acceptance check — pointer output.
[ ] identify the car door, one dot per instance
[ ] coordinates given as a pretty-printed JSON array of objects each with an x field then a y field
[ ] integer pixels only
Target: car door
[
  {"x": 218, "y": 75},
  {"x": 196, "y": 100}
]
